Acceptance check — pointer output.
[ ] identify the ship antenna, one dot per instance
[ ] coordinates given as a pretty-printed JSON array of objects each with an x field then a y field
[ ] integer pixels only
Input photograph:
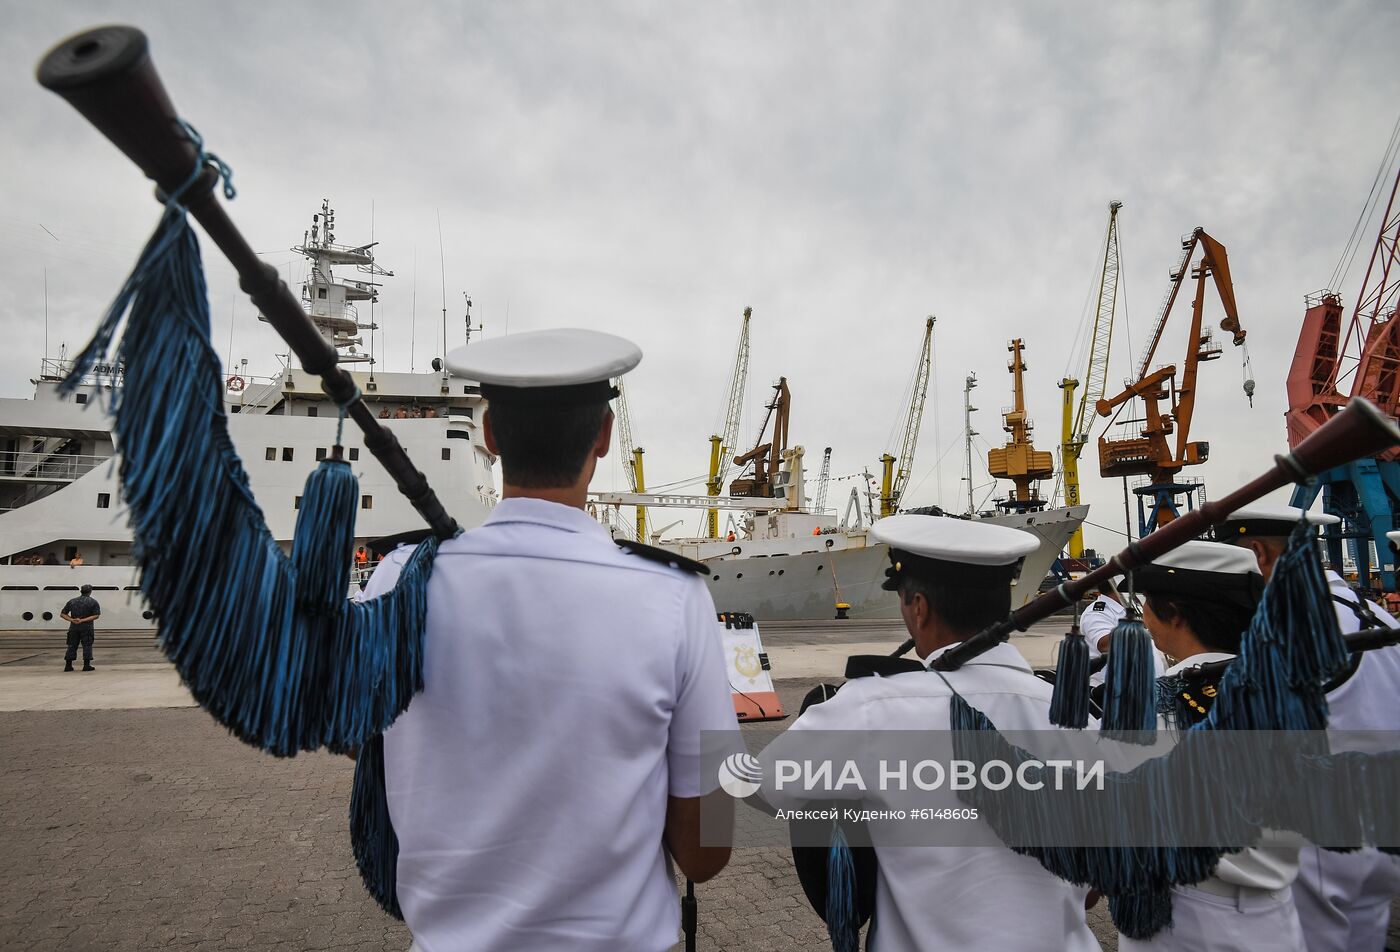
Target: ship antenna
[
  {"x": 413, "y": 326},
  {"x": 442, "y": 267},
  {"x": 373, "y": 325}
]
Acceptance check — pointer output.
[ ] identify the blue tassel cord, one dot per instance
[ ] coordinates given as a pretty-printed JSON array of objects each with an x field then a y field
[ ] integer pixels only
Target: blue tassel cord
[
  {"x": 842, "y": 916},
  {"x": 372, "y": 837},
  {"x": 270, "y": 646},
  {"x": 1130, "y": 684},
  {"x": 1069, "y": 703}
]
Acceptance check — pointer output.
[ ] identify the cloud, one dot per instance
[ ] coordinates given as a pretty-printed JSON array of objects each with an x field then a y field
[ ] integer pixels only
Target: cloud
[{"x": 651, "y": 170}]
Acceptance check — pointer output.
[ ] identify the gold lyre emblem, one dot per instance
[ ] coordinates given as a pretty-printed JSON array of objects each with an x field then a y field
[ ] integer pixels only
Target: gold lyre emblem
[{"x": 746, "y": 661}]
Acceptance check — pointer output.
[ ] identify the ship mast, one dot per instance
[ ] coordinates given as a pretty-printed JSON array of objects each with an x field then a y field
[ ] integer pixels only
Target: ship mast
[
  {"x": 968, "y": 434},
  {"x": 330, "y": 302}
]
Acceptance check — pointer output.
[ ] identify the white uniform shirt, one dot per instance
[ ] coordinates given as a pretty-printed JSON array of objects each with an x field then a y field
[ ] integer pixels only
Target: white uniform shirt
[
  {"x": 1344, "y": 898},
  {"x": 1369, "y": 700},
  {"x": 567, "y": 684},
  {"x": 1097, "y": 622},
  {"x": 952, "y": 897}
]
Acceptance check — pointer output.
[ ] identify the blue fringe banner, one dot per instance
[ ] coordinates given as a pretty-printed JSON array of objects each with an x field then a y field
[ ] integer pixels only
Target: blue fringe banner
[{"x": 271, "y": 646}]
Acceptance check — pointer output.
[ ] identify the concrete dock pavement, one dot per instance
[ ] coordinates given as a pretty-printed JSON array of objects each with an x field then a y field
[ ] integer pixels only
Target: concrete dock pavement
[{"x": 132, "y": 674}]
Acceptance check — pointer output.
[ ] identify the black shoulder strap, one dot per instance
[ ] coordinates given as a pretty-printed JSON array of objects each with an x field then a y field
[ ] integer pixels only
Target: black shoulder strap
[
  {"x": 865, "y": 666},
  {"x": 664, "y": 556},
  {"x": 1359, "y": 608},
  {"x": 386, "y": 544}
]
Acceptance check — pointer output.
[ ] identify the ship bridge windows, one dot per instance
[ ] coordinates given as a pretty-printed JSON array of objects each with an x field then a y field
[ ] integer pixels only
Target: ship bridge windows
[{"x": 459, "y": 435}]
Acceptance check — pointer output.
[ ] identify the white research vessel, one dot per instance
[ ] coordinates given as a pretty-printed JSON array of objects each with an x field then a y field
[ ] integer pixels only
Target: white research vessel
[{"x": 60, "y": 496}]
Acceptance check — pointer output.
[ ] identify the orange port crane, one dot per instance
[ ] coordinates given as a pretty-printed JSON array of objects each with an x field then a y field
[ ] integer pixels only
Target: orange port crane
[
  {"x": 766, "y": 457},
  {"x": 1019, "y": 460},
  {"x": 1364, "y": 493},
  {"x": 1150, "y": 453}
]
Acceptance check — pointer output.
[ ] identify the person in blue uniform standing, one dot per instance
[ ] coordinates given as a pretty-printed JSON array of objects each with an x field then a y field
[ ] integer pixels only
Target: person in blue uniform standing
[{"x": 548, "y": 776}]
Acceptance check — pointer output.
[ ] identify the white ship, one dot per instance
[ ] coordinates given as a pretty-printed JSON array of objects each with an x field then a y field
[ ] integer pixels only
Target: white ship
[
  {"x": 793, "y": 563},
  {"x": 60, "y": 497},
  {"x": 786, "y": 560}
]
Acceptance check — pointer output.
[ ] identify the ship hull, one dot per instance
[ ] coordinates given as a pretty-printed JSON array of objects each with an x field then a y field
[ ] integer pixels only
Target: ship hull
[{"x": 806, "y": 586}]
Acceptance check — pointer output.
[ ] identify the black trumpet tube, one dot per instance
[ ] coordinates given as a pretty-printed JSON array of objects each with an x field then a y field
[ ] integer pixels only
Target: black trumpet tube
[
  {"x": 1359, "y": 431},
  {"x": 108, "y": 76}
]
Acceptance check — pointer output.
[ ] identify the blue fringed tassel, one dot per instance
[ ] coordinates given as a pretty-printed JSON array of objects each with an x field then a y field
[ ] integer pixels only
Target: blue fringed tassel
[
  {"x": 1141, "y": 915},
  {"x": 325, "y": 537},
  {"x": 1069, "y": 703},
  {"x": 231, "y": 606},
  {"x": 842, "y": 915},
  {"x": 372, "y": 837},
  {"x": 1130, "y": 684}
]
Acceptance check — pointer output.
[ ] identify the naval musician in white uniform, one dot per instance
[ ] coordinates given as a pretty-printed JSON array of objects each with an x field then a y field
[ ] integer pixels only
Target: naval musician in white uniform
[
  {"x": 547, "y": 776},
  {"x": 1096, "y": 624},
  {"x": 1343, "y": 899},
  {"x": 954, "y": 579},
  {"x": 1199, "y": 599}
]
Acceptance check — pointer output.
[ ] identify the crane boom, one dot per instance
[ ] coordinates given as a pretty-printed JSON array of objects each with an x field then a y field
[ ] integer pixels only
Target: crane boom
[
  {"x": 1150, "y": 452},
  {"x": 631, "y": 456},
  {"x": 823, "y": 480},
  {"x": 1076, "y": 428},
  {"x": 722, "y": 445},
  {"x": 892, "y": 490}
]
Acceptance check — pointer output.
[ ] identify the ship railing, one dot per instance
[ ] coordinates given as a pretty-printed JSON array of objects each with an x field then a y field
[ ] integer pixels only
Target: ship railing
[
  {"x": 101, "y": 374},
  {"x": 50, "y": 466}
]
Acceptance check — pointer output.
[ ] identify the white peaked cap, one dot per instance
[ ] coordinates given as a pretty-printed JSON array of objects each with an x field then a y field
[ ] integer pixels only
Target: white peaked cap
[
  {"x": 1278, "y": 512},
  {"x": 1215, "y": 557},
  {"x": 968, "y": 541},
  {"x": 564, "y": 357}
]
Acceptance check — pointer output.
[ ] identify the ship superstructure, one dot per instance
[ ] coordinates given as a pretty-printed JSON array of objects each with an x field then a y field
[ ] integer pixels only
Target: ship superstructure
[{"x": 60, "y": 497}]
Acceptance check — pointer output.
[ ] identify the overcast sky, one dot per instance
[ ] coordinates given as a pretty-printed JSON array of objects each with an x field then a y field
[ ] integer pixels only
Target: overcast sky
[{"x": 652, "y": 169}]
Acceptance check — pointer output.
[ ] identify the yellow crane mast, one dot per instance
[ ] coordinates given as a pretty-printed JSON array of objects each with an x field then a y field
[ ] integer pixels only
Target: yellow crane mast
[
  {"x": 1019, "y": 460},
  {"x": 631, "y": 457},
  {"x": 722, "y": 445},
  {"x": 893, "y": 482},
  {"x": 1077, "y": 417}
]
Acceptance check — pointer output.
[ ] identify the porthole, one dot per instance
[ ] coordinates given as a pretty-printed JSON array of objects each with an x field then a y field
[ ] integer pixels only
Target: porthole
[
  {"x": 740, "y": 575},
  {"x": 28, "y": 616},
  {"x": 716, "y": 578},
  {"x": 148, "y": 614},
  {"x": 781, "y": 571},
  {"x": 820, "y": 567},
  {"x": 48, "y": 616},
  {"x": 771, "y": 572}
]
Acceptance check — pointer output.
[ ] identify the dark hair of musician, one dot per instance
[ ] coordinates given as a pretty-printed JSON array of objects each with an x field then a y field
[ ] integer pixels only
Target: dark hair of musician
[
  {"x": 1216, "y": 626},
  {"x": 545, "y": 447},
  {"x": 966, "y": 609}
]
